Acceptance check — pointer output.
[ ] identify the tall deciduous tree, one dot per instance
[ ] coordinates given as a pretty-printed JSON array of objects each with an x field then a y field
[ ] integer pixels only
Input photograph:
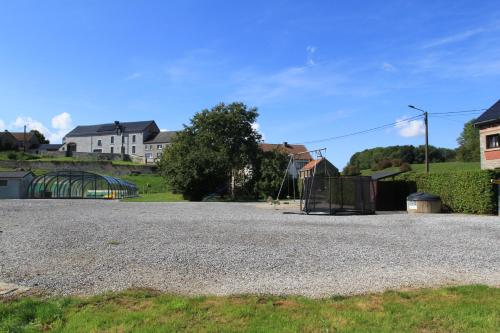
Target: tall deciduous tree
[
  {"x": 40, "y": 136},
  {"x": 213, "y": 153},
  {"x": 271, "y": 170},
  {"x": 468, "y": 141}
]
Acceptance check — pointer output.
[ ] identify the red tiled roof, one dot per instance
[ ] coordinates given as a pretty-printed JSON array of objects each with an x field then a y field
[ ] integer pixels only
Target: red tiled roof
[
  {"x": 19, "y": 136},
  {"x": 311, "y": 164},
  {"x": 299, "y": 150}
]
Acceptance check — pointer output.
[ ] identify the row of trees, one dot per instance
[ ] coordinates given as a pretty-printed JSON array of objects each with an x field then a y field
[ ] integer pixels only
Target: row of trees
[
  {"x": 382, "y": 157},
  {"x": 218, "y": 153}
]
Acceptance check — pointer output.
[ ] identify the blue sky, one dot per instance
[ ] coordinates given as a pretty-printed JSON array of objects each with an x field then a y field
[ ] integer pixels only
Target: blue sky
[{"x": 314, "y": 69}]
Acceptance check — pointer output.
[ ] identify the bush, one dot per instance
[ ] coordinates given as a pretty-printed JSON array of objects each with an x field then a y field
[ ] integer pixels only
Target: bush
[
  {"x": 12, "y": 156},
  {"x": 405, "y": 167},
  {"x": 461, "y": 191},
  {"x": 396, "y": 162},
  {"x": 384, "y": 164},
  {"x": 351, "y": 170}
]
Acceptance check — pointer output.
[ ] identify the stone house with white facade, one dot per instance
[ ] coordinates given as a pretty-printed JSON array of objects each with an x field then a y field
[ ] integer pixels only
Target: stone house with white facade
[
  {"x": 489, "y": 137},
  {"x": 154, "y": 147},
  {"x": 112, "y": 138}
]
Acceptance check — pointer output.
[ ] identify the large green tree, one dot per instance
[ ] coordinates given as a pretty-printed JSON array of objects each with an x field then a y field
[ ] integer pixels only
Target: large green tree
[
  {"x": 468, "y": 143},
  {"x": 216, "y": 152},
  {"x": 270, "y": 173},
  {"x": 40, "y": 136}
]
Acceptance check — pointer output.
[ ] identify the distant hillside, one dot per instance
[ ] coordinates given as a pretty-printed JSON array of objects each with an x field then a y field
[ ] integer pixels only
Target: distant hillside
[
  {"x": 434, "y": 167},
  {"x": 369, "y": 158}
]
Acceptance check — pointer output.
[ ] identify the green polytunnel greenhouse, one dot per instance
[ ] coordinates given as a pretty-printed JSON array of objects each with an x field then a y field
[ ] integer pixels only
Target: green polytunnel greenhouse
[{"x": 80, "y": 185}]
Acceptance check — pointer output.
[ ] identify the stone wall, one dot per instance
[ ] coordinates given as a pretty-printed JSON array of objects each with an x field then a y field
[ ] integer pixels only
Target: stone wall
[{"x": 100, "y": 167}]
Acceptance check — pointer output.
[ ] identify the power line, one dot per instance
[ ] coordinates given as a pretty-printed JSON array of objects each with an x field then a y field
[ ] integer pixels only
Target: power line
[
  {"x": 459, "y": 112},
  {"x": 364, "y": 131}
]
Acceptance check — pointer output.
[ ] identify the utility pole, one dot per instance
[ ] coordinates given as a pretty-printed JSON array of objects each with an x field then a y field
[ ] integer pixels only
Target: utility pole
[
  {"x": 24, "y": 139},
  {"x": 426, "y": 122}
]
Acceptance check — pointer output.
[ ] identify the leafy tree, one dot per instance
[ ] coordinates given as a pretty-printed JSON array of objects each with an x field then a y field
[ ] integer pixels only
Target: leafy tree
[
  {"x": 468, "y": 141},
  {"x": 351, "y": 170},
  {"x": 40, "y": 136},
  {"x": 217, "y": 152},
  {"x": 272, "y": 166}
]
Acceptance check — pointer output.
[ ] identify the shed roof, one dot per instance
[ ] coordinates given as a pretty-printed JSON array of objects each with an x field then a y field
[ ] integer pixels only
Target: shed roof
[
  {"x": 311, "y": 164},
  {"x": 163, "y": 137},
  {"x": 489, "y": 116},
  {"x": 49, "y": 146},
  {"x": 110, "y": 128},
  {"x": 300, "y": 150},
  {"x": 386, "y": 174},
  {"x": 15, "y": 174}
]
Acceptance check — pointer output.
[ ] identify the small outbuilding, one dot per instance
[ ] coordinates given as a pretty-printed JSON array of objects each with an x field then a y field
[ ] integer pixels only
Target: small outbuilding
[{"x": 14, "y": 184}]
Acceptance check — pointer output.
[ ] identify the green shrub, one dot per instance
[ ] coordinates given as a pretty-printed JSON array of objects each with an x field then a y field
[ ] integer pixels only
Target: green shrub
[
  {"x": 461, "y": 191},
  {"x": 405, "y": 167}
]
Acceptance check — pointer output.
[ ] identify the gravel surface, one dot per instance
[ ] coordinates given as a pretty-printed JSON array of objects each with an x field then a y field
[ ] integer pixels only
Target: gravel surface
[{"x": 87, "y": 247}]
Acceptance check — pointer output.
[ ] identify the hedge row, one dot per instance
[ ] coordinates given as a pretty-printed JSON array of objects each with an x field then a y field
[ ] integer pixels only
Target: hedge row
[{"x": 468, "y": 192}]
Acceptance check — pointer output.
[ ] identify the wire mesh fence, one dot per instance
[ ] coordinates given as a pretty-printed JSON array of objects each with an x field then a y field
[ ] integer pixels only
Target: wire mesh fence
[{"x": 334, "y": 195}]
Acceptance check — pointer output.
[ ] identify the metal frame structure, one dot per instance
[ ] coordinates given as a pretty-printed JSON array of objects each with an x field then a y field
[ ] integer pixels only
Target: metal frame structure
[
  {"x": 79, "y": 185},
  {"x": 332, "y": 195}
]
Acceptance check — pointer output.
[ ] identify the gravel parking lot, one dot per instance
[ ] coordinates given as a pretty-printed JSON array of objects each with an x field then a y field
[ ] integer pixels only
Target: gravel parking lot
[{"x": 86, "y": 247}]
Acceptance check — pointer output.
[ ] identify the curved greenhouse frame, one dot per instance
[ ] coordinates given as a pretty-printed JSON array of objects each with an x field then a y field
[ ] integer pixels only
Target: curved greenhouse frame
[{"x": 79, "y": 185}]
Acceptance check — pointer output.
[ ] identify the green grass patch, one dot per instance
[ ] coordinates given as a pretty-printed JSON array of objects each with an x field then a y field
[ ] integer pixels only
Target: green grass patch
[
  {"x": 148, "y": 183},
  {"x": 156, "y": 197},
  {"x": 457, "y": 309},
  {"x": 434, "y": 167}
]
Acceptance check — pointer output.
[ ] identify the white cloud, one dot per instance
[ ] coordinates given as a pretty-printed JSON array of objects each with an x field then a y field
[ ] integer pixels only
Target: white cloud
[
  {"x": 256, "y": 127},
  {"x": 61, "y": 124},
  {"x": 310, "y": 53},
  {"x": 133, "y": 76},
  {"x": 453, "y": 38},
  {"x": 388, "y": 67},
  {"x": 62, "y": 121},
  {"x": 2, "y": 125},
  {"x": 410, "y": 128}
]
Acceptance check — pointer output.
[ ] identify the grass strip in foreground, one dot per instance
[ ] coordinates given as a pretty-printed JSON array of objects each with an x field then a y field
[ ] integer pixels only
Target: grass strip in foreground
[{"x": 457, "y": 309}]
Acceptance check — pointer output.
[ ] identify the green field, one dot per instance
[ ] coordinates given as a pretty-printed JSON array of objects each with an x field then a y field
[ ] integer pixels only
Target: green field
[
  {"x": 434, "y": 167},
  {"x": 457, "y": 309},
  {"x": 156, "y": 197},
  {"x": 21, "y": 156}
]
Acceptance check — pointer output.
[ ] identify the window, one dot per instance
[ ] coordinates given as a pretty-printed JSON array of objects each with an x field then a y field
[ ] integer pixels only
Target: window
[
  {"x": 97, "y": 150},
  {"x": 149, "y": 156},
  {"x": 112, "y": 139},
  {"x": 99, "y": 143},
  {"x": 112, "y": 150},
  {"x": 159, "y": 147},
  {"x": 133, "y": 138},
  {"x": 133, "y": 149},
  {"x": 158, "y": 154},
  {"x": 123, "y": 139},
  {"x": 3, "y": 182},
  {"x": 149, "y": 147},
  {"x": 493, "y": 141}
]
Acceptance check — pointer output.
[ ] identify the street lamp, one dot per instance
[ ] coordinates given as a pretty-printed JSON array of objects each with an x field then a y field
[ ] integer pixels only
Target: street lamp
[{"x": 426, "y": 116}]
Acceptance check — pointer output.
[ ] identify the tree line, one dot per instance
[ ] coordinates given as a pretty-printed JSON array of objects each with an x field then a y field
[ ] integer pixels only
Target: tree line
[{"x": 379, "y": 158}]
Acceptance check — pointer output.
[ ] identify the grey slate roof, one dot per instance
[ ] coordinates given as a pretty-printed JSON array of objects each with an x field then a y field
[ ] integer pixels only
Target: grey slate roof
[
  {"x": 49, "y": 146},
  {"x": 163, "y": 137},
  {"x": 490, "y": 115},
  {"x": 14, "y": 174},
  {"x": 110, "y": 128}
]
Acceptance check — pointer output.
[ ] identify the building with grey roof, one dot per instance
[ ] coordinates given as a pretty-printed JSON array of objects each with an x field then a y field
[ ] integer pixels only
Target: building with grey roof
[
  {"x": 14, "y": 184},
  {"x": 489, "y": 137},
  {"x": 112, "y": 138},
  {"x": 154, "y": 148}
]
